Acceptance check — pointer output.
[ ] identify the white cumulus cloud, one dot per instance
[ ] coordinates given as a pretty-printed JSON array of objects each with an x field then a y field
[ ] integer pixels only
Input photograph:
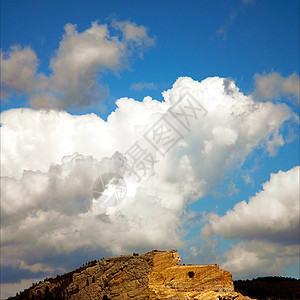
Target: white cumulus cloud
[
  {"x": 257, "y": 258},
  {"x": 47, "y": 202},
  {"x": 267, "y": 228},
  {"x": 75, "y": 66},
  {"x": 272, "y": 214},
  {"x": 80, "y": 57}
]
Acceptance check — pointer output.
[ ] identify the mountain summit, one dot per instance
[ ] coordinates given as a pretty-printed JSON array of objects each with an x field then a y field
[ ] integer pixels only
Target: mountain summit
[{"x": 154, "y": 275}]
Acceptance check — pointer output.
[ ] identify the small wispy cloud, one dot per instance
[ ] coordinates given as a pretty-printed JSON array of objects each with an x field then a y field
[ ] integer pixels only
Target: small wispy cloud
[
  {"x": 222, "y": 31},
  {"x": 247, "y": 178},
  {"x": 139, "y": 86},
  {"x": 274, "y": 85},
  {"x": 248, "y": 2}
]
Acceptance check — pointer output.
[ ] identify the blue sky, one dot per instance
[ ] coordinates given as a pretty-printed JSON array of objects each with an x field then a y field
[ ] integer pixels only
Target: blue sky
[
  {"x": 253, "y": 43},
  {"x": 263, "y": 37}
]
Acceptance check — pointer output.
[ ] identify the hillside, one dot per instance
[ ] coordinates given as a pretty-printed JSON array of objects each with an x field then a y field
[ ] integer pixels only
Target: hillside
[{"x": 154, "y": 275}]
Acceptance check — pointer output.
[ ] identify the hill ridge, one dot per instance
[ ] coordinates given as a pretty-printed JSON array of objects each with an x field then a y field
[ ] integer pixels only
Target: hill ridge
[{"x": 153, "y": 275}]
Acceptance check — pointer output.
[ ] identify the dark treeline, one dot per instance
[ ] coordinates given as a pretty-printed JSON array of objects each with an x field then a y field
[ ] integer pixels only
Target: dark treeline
[{"x": 271, "y": 288}]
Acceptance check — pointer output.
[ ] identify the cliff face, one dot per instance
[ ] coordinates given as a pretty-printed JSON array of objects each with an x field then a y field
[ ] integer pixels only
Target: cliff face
[
  {"x": 154, "y": 275},
  {"x": 169, "y": 280}
]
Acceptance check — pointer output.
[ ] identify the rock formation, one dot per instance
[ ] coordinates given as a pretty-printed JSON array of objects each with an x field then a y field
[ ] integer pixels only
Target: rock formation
[{"x": 154, "y": 275}]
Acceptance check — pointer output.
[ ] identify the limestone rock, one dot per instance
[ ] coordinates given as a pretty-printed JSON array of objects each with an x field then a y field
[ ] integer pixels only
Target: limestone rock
[{"x": 154, "y": 275}]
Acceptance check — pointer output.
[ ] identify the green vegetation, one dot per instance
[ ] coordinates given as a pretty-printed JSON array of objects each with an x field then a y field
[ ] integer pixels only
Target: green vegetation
[{"x": 271, "y": 288}]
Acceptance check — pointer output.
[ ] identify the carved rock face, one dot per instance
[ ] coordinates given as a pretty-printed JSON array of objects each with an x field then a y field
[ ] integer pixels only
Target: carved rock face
[{"x": 176, "y": 257}]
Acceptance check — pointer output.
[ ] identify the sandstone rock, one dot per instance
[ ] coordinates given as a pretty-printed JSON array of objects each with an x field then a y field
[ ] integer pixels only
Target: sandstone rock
[{"x": 154, "y": 275}]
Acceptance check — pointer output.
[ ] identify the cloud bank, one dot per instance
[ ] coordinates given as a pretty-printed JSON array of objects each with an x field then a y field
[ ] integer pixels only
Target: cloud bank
[
  {"x": 50, "y": 160},
  {"x": 268, "y": 225}
]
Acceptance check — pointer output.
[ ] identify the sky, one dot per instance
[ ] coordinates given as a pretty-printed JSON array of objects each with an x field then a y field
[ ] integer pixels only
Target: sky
[{"x": 190, "y": 109}]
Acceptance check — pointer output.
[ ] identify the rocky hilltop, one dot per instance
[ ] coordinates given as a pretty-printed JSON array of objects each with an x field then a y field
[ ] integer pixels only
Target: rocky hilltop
[{"x": 154, "y": 275}]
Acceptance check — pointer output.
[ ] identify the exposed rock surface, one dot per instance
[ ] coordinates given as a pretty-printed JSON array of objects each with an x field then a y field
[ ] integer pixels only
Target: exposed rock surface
[{"x": 154, "y": 275}]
